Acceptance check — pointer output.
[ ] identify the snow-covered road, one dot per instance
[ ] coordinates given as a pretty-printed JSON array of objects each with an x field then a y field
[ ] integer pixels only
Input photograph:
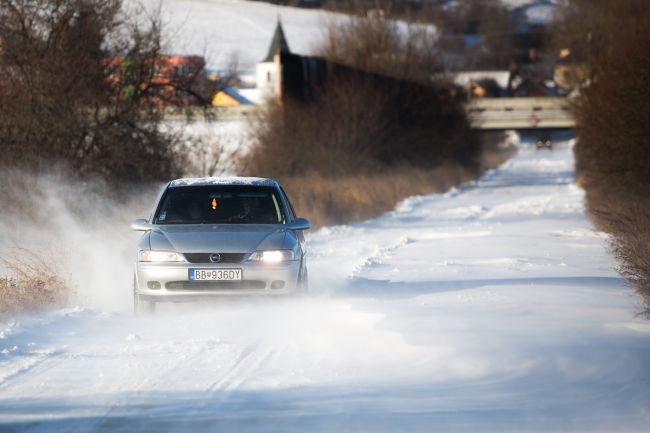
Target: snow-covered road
[{"x": 493, "y": 308}]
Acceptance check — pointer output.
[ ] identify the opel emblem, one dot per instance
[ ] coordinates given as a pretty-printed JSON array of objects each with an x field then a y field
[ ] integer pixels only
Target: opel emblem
[{"x": 215, "y": 258}]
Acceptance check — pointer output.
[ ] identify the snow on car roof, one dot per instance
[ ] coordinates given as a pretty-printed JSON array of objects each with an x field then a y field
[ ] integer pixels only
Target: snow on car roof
[{"x": 193, "y": 181}]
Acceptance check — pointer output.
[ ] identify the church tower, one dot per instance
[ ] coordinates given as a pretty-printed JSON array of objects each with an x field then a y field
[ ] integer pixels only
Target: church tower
[{"x": 267, "y": 70}]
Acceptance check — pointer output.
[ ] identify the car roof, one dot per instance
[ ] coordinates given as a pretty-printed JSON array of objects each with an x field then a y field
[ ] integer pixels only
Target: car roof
[{"x": 201, "y": 181}]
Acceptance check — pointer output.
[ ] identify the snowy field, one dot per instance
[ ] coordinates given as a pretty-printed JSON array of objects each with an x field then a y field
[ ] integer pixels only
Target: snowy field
[
  {"x": 493, "y": 308},
  {"x": 222, "y": 30}
]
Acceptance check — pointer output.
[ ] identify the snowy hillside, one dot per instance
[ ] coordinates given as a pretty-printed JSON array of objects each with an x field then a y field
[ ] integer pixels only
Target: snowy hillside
[
  {"x": 493, "y": 308},
  {"x": 218, "y": 29}
]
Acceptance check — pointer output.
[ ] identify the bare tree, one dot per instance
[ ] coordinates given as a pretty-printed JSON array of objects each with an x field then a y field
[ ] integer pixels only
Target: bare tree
[
  {"x": 76, "y": 78},
  {"x": 212, "y": 153},
  {"x": 372, "y": 39}
]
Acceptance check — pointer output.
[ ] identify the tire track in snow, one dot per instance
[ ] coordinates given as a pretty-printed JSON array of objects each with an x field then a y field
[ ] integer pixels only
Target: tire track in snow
[
  {"x": 37, "y": 362},
  {"x": 379, "y": 254},
  {"x": 157, "y": 378},
  {"x": 251, "y": 361}
]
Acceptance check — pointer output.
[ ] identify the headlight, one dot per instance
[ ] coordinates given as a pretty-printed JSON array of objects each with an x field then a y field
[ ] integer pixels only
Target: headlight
[
  {"x": 159, "y": 256},
  {"x": 271, "y": 256}
]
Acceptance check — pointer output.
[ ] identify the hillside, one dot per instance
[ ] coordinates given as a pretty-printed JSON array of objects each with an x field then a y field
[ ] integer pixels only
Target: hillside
[{"x": 220, "y": 29}]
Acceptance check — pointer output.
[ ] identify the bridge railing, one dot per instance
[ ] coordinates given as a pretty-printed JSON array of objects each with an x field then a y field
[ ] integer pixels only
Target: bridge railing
[{"x": 521, "y": 113}]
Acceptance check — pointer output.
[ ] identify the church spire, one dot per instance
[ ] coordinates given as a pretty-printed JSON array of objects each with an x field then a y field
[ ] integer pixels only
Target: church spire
[{"x": 279, "y": 42}]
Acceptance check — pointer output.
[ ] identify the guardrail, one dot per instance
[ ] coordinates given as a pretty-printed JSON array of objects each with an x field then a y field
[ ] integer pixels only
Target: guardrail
[{"x": 521, "y": 113}]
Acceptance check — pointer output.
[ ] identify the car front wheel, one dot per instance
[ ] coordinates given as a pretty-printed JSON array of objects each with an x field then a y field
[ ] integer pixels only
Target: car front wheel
[
  {"x": 141, "y": 306},
  {"x": 303, "y": 282}
]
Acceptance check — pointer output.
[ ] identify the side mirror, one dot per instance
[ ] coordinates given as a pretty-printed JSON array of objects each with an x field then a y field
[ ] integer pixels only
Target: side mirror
[
  {"x": 299, "y": 224},
  {"x": 141, "y": 225}
]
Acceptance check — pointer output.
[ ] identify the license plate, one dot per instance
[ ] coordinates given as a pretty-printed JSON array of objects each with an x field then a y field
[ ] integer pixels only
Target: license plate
[{"x": 215, "y": 274}]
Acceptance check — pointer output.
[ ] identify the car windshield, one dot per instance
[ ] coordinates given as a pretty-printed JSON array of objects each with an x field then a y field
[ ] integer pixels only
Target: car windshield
[{"x": 220, "y": 204}]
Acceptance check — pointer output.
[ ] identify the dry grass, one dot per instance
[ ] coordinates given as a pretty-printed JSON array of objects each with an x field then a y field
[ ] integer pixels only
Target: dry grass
[
  {"x": 327, "y": 200},
  {"x": 30, "y": 284}
]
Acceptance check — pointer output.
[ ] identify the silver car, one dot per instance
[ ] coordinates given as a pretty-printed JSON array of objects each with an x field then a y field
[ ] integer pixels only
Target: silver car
[{"x": 219, "y": 236}]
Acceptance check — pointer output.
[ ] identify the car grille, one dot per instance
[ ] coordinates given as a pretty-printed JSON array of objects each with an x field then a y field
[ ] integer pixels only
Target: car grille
[
  {"x": 216, "y": 285},
  {"x": 205, "y": 257}
]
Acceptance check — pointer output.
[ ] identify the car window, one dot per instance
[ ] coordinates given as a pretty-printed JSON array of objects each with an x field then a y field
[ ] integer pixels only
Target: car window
[
  {"x": 292, "y": 211},
  {"x": 220, "y": 204}
]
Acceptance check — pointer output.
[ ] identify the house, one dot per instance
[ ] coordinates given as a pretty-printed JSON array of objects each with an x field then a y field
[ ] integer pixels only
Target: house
[
  {"x": 479, "y": 84},
  {"x": 533, "y": 16},
  {"x": 180, "y": 79},
  {"x": 228, "y": 96},
  {"x": 163, "y": 80}
]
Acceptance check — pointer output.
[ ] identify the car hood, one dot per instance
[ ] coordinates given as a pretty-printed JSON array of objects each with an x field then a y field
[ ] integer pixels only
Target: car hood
[{"x": 224, "y": 238}]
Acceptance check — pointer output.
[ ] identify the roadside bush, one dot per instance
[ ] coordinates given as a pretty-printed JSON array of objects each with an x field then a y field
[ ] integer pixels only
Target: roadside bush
[
  {"x": 612, "y": 157},
  {"x": 629, "y": 223},
  {"x": 63, "y": 240},
  {"x": 363, "y": 124}
]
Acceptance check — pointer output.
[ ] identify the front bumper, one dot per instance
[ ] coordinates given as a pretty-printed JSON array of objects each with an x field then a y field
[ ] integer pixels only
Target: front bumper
[{"x": 170, "y": 281}]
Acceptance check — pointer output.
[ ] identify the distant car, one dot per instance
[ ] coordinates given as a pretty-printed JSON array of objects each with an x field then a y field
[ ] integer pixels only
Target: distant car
[
  {"x": 217, "y": 237},
  {"x": 544, "y": 143}
]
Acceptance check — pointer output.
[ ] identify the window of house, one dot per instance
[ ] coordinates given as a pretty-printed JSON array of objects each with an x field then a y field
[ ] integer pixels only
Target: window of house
[{"x": 183, "y": 70}]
